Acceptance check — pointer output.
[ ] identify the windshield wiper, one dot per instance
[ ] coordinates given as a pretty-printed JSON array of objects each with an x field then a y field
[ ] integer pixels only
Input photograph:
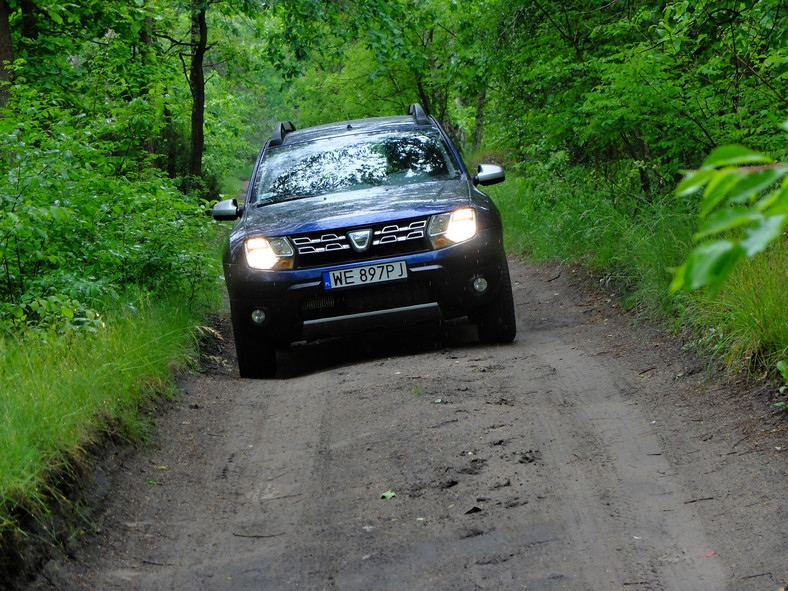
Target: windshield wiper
[{"x": 279, "y": 199}]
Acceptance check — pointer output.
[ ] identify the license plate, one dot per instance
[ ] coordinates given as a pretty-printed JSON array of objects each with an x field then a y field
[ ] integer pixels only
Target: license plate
[{"x": 365, "y": 275}]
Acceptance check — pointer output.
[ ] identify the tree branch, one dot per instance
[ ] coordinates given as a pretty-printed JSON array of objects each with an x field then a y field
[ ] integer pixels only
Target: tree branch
[
  {"x": 173, "y": 40},
  {"x": 752, "y": 71}
]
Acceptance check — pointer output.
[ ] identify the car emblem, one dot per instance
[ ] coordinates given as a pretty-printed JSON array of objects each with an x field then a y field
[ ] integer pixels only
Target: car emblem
[{"x": 360, "y": 239}]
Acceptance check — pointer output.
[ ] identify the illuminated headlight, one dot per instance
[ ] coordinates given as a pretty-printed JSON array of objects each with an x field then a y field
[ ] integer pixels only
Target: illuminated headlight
[
  {"x": 269, "y": 254},
  {"x": 452, "y": 228}
]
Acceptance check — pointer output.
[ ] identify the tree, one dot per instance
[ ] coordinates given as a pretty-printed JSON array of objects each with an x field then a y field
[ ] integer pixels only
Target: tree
[
  {"x": 6, "y": 52},
  {"x": 372, "y": 57},
  {"x": 199, "y": 45}
]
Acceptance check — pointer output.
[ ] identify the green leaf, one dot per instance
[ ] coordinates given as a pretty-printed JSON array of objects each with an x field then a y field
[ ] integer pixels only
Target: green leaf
[
  {"x": 758, "y": 238},
  {"x": 67, "y": 312},
  {"x": 755, "y": 182},
  {"x": 719, "y": 186},
  {"x": 782, "y": 367},
  {"x": 389, "y": 494},
  {"x": 693, "y": 180},
  {"x": 777, "y": 203},
  {"x": 727, "y": 219},
  {"x": 734, "y": 155},
  {"x": 55, "y": 17},
  {"x": 709, "y": 264}
]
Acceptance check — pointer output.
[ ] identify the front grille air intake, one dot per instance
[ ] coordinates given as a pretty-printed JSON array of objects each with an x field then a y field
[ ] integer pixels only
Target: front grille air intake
[{"x": 390, "y": 239}]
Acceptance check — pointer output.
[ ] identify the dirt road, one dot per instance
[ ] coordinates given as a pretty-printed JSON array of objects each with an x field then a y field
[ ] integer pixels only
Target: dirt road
[{"x": 587, "y": 455}]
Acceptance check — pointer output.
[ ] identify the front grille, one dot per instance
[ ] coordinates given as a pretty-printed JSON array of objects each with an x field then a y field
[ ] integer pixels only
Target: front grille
[
  {"x": 365, "y": 299},
  {"x": 392, "y": 233},
  {"x": 320, "y": 244},
  {"x": 318, "y": 249}
]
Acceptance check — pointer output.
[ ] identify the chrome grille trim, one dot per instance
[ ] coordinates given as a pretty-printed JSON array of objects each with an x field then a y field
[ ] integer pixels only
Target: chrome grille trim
[
  {"x": 399, "y": 233},
  {"x": 390, "y": 233},
  {"x": 319, "y": 244}
]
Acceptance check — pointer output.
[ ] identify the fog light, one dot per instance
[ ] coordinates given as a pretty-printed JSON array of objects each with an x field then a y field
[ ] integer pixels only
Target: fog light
[
  {"x": 258, "y": 316},
  {"x": 480, "y": 284}
]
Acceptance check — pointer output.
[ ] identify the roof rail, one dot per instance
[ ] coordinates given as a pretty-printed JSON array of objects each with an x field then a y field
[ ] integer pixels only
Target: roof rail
[
  {"x": 419, "y": 116},
  {"x": 281, "y": 129}
]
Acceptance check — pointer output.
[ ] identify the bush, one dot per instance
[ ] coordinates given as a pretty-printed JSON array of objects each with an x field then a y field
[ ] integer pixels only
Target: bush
[{"x": 79, "y": 223}]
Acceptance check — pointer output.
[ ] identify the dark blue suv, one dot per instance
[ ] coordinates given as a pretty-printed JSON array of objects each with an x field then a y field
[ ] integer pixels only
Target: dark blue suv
[{"x": 361, "y": 226}]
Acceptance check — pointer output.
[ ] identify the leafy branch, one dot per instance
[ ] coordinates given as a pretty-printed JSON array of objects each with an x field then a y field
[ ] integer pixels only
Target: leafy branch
[{"x": 741, "y": 213}]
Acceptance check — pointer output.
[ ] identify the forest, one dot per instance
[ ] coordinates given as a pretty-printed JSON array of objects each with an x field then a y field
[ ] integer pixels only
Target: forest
[{"x": 643, "y": 140}]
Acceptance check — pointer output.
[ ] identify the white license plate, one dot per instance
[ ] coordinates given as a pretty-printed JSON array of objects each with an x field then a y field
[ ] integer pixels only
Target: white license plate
[{"x": 365, "y": 275}]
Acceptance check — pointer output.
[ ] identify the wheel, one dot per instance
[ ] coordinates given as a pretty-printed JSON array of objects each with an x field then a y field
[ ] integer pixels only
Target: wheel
[
  {"x": 255, "y": 352},
  {"x": 496, "y": 321}
]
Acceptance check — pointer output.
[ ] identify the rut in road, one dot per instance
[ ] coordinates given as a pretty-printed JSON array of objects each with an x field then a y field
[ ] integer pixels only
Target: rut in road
[{"x": 558, "y": 462}]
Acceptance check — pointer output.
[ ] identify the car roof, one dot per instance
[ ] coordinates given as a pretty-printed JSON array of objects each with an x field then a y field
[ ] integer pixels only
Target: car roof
[{"x": 351, "y": 127}]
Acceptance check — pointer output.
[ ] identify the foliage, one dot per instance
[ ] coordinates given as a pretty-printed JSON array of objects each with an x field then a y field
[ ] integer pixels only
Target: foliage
[
  {"x": 79, "y": 223},
  {"x": 742, "y": 214},
  {"x": 95, "y": 146},
  {"x": 383, "y": 55},
  {"x": 96, "y": 221},
  {"x": 63, "y": 396},
  {"x": 782, "y": 367},
  {"x": 560, "y": 212},
  {"x": 639, "y": 91},
  {"x": 745, "y": 325},
  {"x": 735, "y": 210},
  {"x": 643, "y": 85}
]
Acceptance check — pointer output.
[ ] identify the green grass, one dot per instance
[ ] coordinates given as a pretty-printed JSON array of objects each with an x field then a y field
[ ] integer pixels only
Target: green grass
[
  {"x": 560, "y": 215},
  {"x": 747, "y": 322},
  {"x": 634, "y": 244},
  {"x": 61, "y": 394},
  {"x": 233, "y": 182},
  {"x": 66, "y": 391}
]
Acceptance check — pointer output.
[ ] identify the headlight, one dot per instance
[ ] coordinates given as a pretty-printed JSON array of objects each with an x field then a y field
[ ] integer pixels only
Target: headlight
[
  {"x": 452, "y": 228},
  {"x": 269, "y": 254}
]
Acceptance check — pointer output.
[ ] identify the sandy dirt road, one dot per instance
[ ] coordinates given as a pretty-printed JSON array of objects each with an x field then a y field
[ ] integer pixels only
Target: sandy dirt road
[{"x": 588, "y": 455}]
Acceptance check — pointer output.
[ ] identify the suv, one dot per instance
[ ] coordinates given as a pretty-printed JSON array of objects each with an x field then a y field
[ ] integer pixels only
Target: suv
[{"x": 360, "y": 226}]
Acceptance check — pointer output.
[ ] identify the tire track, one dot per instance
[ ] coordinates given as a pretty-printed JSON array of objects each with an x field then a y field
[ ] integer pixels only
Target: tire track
[{"x": 555, "y": 463}]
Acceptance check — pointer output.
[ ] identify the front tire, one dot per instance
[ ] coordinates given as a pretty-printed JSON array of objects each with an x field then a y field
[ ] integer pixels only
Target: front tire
[
  {"x": 255, "y": 352},
  {"x": 496, "y": 320}
]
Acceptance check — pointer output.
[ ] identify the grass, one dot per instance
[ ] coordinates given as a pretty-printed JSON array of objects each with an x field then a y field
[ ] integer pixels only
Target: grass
[
  {"x": 560, "y": 215},
  {"x": 64, "y": 396},
  {"x": 748, "y": 319},
  {"x": 61, "y": 395},
  {"x": 233, "y": 182},
  {"x": 632, "y": 244}
]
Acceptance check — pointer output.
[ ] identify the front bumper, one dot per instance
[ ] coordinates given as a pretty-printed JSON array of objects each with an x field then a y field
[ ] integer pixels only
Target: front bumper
[{"x": 439, "y": 287}]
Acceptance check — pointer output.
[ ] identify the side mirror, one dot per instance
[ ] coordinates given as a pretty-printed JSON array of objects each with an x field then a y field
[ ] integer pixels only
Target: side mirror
[
  {"x": 489, "y": 174},
  {"x": 227, "y": 210}
]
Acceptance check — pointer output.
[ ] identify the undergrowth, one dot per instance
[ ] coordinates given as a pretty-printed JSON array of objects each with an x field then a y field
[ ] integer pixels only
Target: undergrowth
[
  {"x": 746, "y": 324},
  {"x": 63, "y": 394},
  {"x": 552, "y": 215},
  {"x": 561, "y": 213}
]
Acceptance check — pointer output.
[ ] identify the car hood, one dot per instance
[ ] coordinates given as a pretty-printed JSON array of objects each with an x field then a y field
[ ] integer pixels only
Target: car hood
[{"x": 355, "y": 208}]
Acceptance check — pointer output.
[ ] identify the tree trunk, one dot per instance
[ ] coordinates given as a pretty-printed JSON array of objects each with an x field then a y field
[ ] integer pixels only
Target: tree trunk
[
  {"x": 30, "y": 12},
  {"x": 6, "y": 52},
  {"x": 197, "y": 86},
  {"x": 478, "y": 128},
  {"x": 146, "y": 48}
]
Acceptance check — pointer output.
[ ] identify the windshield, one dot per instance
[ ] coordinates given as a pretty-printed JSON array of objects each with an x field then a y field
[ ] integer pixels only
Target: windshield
[{"x": 350, "y": 163}]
